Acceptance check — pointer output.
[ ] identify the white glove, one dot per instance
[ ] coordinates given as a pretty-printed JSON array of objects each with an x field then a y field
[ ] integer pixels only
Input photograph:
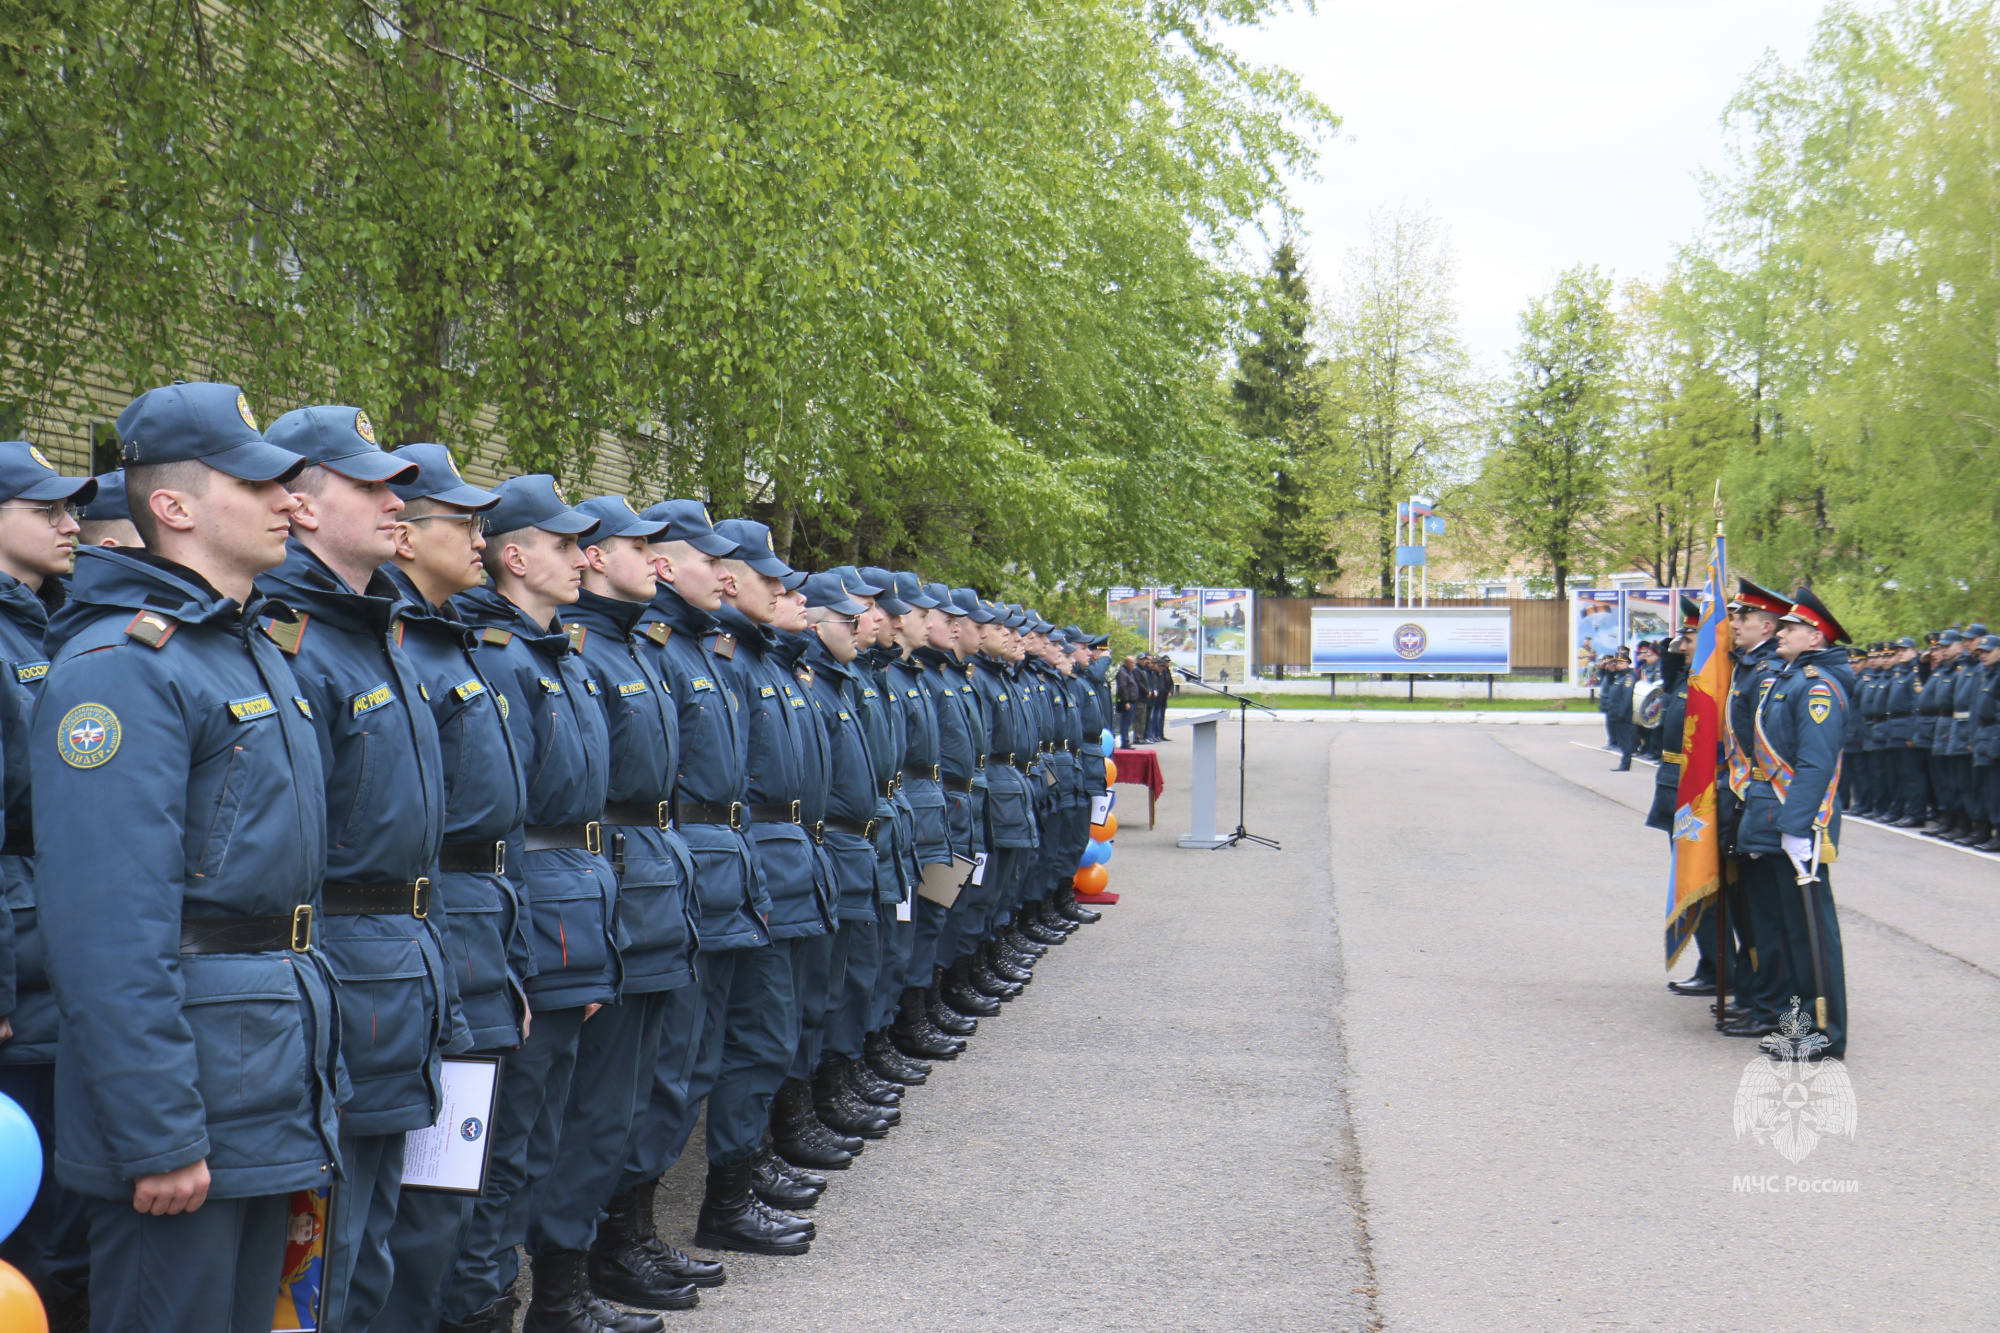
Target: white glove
[{"x": 1799, "y": 849}]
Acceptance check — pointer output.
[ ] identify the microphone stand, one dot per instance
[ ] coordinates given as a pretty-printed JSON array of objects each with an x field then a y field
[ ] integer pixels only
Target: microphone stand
[{"x": 1243, "y": 707}]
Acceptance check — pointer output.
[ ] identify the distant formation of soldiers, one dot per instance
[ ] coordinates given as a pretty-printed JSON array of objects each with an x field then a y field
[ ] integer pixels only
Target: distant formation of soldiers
[{"x": 324, "y": 766}]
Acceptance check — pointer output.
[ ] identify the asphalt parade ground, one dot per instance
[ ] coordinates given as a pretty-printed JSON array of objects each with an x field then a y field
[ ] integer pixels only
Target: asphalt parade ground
[{"x": 1418, "y": 1071}]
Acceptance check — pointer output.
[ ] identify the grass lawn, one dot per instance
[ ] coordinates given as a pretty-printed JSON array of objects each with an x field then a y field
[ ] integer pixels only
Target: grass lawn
[{"x": 1191, "y": 699}]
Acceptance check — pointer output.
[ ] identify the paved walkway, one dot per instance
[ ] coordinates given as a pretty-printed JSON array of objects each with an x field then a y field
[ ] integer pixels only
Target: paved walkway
[{"x": 1418, "y": 1071}]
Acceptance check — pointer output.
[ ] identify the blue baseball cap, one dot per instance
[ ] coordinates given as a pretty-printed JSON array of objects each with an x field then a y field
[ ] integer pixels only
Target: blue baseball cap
[
  {"x": 910, "y": 590},
  {"x": 887, "y": 599},
  {"x": 438, "y": 478},
  {"x": 687, "y": 521},
  {"x": 829, "y": 591},
  {"x": 110, "y": 503},
  {"x": 339, "y": 439},
  {"x": 534, "y": 501},
  {"x": 941, "y": 595},
  {"x": 1950, "y": 636},
  {"x": 1975, "y": 630},
  {"x": 26, "y": 475},
  {"x": 202, "y": 422},
  {"x": 857, "y": 583},
  {"x": 967, "y": 600},
  {"x": 753, "y": 546},
  {"x": 793, "y": 581},
  {"x": 1988, "y": 642},
  {"x": 617, "y": 518}
]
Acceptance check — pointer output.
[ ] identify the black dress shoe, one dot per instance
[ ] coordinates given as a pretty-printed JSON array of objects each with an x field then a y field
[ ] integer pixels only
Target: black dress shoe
[
  {"x": 1747, "y": 1027},
  {"x": 883, "y": 1057},
  {"x": 1067, "y": 904},
  {"x": 770, "y": 1183},
  {"x": 495, "y": 1318},
  {"x": 1694, "y": 985},
  {"x": 871, "y": 1087},
  {"x": 628, "y": 1227},
  {"x": 732, "y": 1218}
]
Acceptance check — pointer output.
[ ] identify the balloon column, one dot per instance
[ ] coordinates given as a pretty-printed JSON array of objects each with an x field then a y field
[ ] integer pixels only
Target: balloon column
[
  {"x": 1091, "y": 873},
  {"x": 20, "y": 1175}
]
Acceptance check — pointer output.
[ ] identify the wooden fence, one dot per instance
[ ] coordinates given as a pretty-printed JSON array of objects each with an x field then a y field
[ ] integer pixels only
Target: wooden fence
[{"x": 1284, "y": 629}]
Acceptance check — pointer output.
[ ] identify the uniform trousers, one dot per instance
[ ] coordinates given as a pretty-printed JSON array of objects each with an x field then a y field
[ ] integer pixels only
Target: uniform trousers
[
  {"x": 651, "y": 1148},
  {"x": 899, "y": 940},
  {"x": 1989, "y": 775},
  {"x": 1963, "y": 784},
  {"x": 423, "y": 1242},
  {"x": 1796, "y": 959},
  {"x": 965, "y": 922},
  {"x": 527, "y": 1125},
  {"x": 1125, "y": 723},
  {"x": 1944, "y": 799},
  {"x": 1142, "y": 721},
  {"x": 931, "y": 919},
  {"x": 215, "y": 1269},
  {"x": 1005, "y": 869},
  {"x": 1914, "y": 782},
  {"x": 359, "y": 1264},
  {"x": 749, "y": 1033},
  {"x": 1740, "y": 971},
  {"x": 51, "y": 1246},
  {"x": 615, "y": 1058},
  {"x": 811, "y": 958},
  {"x": 1761, "y": 992}
]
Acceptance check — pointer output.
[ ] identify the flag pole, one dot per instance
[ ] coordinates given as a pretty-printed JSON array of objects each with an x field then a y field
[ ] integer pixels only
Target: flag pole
[{"x": 1722, "y": 939}]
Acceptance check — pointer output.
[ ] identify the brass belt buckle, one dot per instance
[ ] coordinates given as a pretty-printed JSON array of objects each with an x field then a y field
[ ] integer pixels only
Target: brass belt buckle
[
  {"x": 593, "y": 837},
  {"x": 663, "y": 815},
  {"x": 302, "y": 923},
  {"x": 420, "y": 898}
]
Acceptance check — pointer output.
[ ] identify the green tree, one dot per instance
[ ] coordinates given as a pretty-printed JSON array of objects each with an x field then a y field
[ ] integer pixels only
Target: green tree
[
  {"x": 1548, "y": 476},
  {"x": 1286, "y": 554}
]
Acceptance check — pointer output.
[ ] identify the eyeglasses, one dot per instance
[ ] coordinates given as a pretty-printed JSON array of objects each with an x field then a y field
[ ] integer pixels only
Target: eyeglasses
[
  {"x": 475, "y": 523},
  {"x": 56, "y": 513}
]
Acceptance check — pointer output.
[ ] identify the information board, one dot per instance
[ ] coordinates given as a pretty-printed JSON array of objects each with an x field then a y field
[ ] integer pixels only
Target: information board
[{"x": 1467, "y": 640}]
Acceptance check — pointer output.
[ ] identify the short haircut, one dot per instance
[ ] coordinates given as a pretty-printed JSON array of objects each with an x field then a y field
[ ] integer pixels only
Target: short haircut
[
  {"x": 418, "y": 507},
  {"x": 142, "y": 479},
  {"x": 496, "y": 542},
  {"x": 95, "y": 530},
  {"x": 310, "y": 481}
]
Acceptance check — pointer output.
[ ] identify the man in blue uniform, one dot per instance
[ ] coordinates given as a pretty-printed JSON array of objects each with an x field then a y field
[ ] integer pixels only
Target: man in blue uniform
[
  {"x": 1790, "y": 830},
  {"x": 1968, "y": 825},
  {"x": 1904, "y": 778},
  {"x": 439, "y": 537},
  {"x": 620, "y": 1047},
  {"x": 1985, "y": 725},
  {"x": 196, "y": 1061},
  {"x": 384, "y": 779},
  {"x": 38, "y": 540},
  {"x": 1753, "y": 629},
  {"x": 1940, "y": 694},
  {"x": 559, "y": 869}
]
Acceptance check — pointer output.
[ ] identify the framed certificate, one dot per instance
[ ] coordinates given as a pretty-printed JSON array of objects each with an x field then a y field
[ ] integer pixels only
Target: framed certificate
[
  {"x": 452, "y": 1155},
  {"x": 943, "y": 880}
]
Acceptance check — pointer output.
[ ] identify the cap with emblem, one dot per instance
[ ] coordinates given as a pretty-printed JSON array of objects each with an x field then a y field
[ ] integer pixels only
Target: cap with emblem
[
  {"x": 1906, "y": 642},
  {"x": 26, "y": 474},
  {"x": 828, "y": 591},
  {"x": 910, "y": 591},
  {"x": 889, "y": 598},
  {"x": 534, "y": 502},
  {"x": 941, "y": 595},
  {"x": 1690, "y": 613},
  {"x": 1750, "y": 597},
  {"x": 109, "y": 504},
  {"x": 858, "y": 583},
  {"x": 1987, "y": 643},
  {"x": 752, "y": 546},
  {"x": 1948, "y": 638},
  {"x": 1975, "y": 630},
  {"x": 617, "y": 518},
  {"x": 687, "y": 521},
  {"x": 968, "y": 601},
  {"x": 204, "y": 422},
  {"x": 438, "y": 479},
  {"x": 1808, "y": 609},
  {"x": 341, "y": 440}
]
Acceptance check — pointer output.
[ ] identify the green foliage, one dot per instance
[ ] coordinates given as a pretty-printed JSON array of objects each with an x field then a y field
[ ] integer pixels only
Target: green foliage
[{"x": 1270, "y": 376}]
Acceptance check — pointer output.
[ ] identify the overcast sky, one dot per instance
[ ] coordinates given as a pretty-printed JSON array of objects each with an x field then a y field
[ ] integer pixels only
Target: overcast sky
[{"x": 1542, "y": 133}]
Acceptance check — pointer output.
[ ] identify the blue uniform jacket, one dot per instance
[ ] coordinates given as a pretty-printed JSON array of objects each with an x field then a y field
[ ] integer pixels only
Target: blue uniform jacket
[
  {"x": 961, "y": 750},
  {"x": 379, "y": 757},
  {"x": 850, "y": 788},
  {"x": 714, "y": 741},
  {"x": 482, "y": 917},
  {"x": 1964, "y": 699},
  {"x": 921, "y": 761},
  {"x": 1803, "y": 718},
  {"x": 1986, "y": 717},
  {"x": 655, "y": 914},
  {"x": 1753, "y": 667},
  {"x": 25, "y": 998},
  {"x": 1940, "y": 693},
  {"x": 196, "y": 759},
  {"x": 559, "y": 734},
  {"x": 780, "y": 725},
  {"x": 1900, "y": 702},
  {"x": 790, "y": 648},
  {"x": 1673, "y": 735},
  {"x": 1011, "y": 732},
  {"x": 886, "y": 739}
]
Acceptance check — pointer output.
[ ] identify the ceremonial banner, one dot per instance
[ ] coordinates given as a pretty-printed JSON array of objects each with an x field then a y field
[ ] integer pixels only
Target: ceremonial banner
[{"x": 1695, "y": 869}]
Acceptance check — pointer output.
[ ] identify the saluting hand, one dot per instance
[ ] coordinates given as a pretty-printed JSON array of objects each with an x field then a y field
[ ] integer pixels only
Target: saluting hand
[{"x": 172, "y": 1192}]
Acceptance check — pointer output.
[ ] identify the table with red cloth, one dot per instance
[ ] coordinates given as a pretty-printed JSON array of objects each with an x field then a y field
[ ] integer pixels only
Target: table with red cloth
[{"x": 1142, "y": 767}]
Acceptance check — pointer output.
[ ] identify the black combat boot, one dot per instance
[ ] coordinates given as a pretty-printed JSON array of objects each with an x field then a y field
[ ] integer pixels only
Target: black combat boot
[
  {"x": 774, "y": 1185},
  {"x": 1046, "y": 913},
  {"x": 732, "y": 1218},
  {"x": 1029, "y": 925},
  {"x": 840, "y": 1109},
  {"x": 944, "y": 1017},
  {"x": 871, "y": 1087},
  {"x": 1002, "y": 964},
  {"x": 890, "y": 1063},
  {"x": 632, "y": 1213},
  {"x": 797, "y": 1134},
  {"x": 916, "y": 1036},
  {"x": 562, "y": 1301},
  {"x": 1067, "y": 904},
  {"x": 988, "y": 982},
  {"x": 1011, "y": 937},
  {"x": 623, "y": 1268},
  {"x": 960, "y": 995},
  {"x": 495, "y": 1318}
]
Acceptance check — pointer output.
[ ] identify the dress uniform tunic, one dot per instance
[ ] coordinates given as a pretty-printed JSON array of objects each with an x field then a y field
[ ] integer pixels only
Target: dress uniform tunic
[{"x": 1759, "y": 988}]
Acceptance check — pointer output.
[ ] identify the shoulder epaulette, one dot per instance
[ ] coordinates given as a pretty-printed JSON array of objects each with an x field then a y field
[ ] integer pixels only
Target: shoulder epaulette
[
  {"x": 1812, "y": 671},
  {"x": 725, "y": 645},
  {"x": 659, "y": 631},
  {"x": 154, "y": 630},
  {"x": 805, "y": 674},
  {"x": 498, "y": 638},
  {"x": 577, "y": 634}
]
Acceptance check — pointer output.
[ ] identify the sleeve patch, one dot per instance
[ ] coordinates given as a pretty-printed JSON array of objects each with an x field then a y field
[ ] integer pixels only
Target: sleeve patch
[
  {"x": 256, "y": 706},
  {"x": 370, "y": 700},
  {"x": 31, "y": 671},
  {"x": 88, "y": 736}
]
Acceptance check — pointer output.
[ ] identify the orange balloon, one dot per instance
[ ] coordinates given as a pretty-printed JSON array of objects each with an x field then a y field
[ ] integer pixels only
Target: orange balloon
[
  {"x": 1092, "y": 879},
  {"x": 20, "y": 1309},
  {"x": 1106, "y": 831},
  {"x": 1110, "y": 772}
]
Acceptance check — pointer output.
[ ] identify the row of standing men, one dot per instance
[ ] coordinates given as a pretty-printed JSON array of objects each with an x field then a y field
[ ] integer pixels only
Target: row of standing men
[
  {"x": 323, "y": 765},
  {"x": 1926, "y": 754}
]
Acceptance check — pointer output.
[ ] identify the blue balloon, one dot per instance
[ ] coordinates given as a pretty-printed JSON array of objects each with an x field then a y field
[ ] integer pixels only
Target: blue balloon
[
  {"x": 1104, "y": 739},
  {"x": 1108, "y": 844},
  {"x": 20, "y": 1164},
  {"x": 1097, "y": 853}
]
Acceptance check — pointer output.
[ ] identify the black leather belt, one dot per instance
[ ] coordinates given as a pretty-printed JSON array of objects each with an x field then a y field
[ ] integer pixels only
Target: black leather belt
[
  {"x": 20, "y": 842},
  {"x": 956, "y": 784},
  {"x": 1896, "y": 717},
  {"x": 341, "y": 898},
  {"x": 889, "y": 786},
  {"x": 979, "y": 762},
  {"x": 557, "y": 837},
  {"x": 248, "y": 934},
  {"x": 703, "y": 812},
  {"x": 639, "y": 814},
  {"x": 930, "y": 771},
  {"x": 1002, "y": 756},
  {"x": 774, "y": 812},
  {"x": 1024, "y": 764},
  {"x": 858, "y": 827},
  {"x": 473, "y": 858}
]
